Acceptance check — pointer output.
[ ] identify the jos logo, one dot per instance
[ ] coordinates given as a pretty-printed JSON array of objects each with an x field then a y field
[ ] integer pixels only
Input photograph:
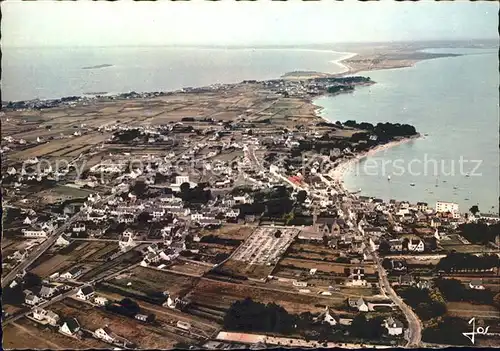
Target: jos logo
[{"x": 479, "y": 331}]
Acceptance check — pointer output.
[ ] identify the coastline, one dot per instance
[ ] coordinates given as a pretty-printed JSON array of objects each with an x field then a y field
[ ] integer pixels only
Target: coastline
[{"x": 340, "y": 171}]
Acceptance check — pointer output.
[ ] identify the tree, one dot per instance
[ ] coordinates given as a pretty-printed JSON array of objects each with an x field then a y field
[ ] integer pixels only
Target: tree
[
  {"x": 405, "y": 243},
  {"x": 139, "y": 188},
  {"x": 144, "y": 217},
  {"x": 301, "y": 196},
  {"x": 387, "y": 263},
  {"x": 247, "y": 315},
  {"x": 474, "y": 209},
  {"x": 130, "y": 305},
  {"x": 185, "y": 187},
  {"x": 366, "y": 329},
  {"x": 384, "y": 248}
]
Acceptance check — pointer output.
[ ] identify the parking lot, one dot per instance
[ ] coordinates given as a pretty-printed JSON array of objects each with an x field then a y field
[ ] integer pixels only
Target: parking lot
[{"x": 265, "y": 245}]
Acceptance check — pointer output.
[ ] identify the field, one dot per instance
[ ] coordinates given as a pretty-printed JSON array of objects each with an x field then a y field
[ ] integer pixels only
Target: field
[
  {"x": 202, "y": 325},
  {"x": 91, "y": 318},
  {"x": 229, "y": 231},
  {"x": 469, "y": 310},
  {"x": 149, "y": 284},
  {"x": 26, "y": 334},
  {"x": 327, "y": 267},
  {"x": 311, "y": 251},
  {"x": 184, "y": 266},
  {"x": 93, "y": 256},
  {"x": 218, "y": 294}
]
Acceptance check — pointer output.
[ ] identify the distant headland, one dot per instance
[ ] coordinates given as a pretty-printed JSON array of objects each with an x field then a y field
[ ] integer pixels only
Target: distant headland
[{"x": 98, "y": 66}]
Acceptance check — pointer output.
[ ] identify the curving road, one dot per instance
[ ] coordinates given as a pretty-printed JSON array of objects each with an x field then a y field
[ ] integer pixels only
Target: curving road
[{"x": 414, "y": 323}]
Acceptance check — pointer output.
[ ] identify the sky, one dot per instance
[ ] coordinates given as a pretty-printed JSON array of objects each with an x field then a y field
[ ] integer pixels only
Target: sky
[{"x": 230, "y": 22}]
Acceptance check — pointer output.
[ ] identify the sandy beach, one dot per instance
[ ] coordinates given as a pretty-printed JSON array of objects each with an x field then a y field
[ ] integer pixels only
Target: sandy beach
[
  {"x": 340, "y": 171},
  {"x": 340, "y": 62}
]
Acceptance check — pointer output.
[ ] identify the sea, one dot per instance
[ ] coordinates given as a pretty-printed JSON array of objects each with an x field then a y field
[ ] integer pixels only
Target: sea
[
  {"x": 452, "y": 102},
  {"x": 48, "y": 73}
]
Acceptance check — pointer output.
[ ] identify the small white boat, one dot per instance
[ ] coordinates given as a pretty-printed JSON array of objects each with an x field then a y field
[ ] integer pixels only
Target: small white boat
[
  {"x": 466, "y": 174},
  {"x": 388, "y": 177},
  {"x": 412, "y": 184}
]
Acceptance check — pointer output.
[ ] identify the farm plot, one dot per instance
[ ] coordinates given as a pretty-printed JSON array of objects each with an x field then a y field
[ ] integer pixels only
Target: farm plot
[
  {"x": 91, "y": 318},
  {"x": 229, "y": 231},
  {"x": 189, "y": 267},
  {"x": 88, "y": 254},
  {"x": 469, "y": 310},
  {"x": 149, "y": 284},
  {"x": 221, "y": 295},
  {"x": 203, "y": 325},
  {"x": 118, "y": 263},
  {"x": 26, "y": 334},
  {"x": 337, "y": 268}
]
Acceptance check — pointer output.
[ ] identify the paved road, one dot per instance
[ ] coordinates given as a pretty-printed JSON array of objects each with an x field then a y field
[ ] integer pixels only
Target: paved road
[
  {"x": 414, "y": 324},
  {"x": 36, "y": 253}
]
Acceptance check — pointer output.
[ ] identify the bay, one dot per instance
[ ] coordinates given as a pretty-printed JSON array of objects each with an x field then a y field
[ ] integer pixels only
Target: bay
[{"x": 454, "y": 102}]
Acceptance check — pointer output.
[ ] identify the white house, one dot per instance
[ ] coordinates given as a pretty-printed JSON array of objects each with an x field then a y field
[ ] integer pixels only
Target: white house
[
  {"x": 393, "y": 326},
  {"x": 31, "y": 300},
  {"x": 329, "y": 317},
  {"x": 39, "y": 313},
  {"x": 100, "y": 300},
  {"x": 104, "y": 334},
  {"x": 444, "y": 206},
  {"x": 233, "y": 213},
  {"x": 85, "y": 293},
  {"x": 360, "y": 304},
  {"x": 72, "y": 273},
  {"x": 476, "y": 284},
  {"x": 52, "y": 318},
  {"x": 62, "y": 241},
  {"x": 70, "y": 327},
  {"x": 416, "y": 245},
  {"x": 34, "y": 233},
  {"x": 48, "y": 291},
  {"x": 128, "y": 233},
  {"x": 245, "y": 199}
]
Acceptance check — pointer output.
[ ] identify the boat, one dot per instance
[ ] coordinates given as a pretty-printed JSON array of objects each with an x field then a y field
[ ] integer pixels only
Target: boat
[
  {"x": 388, "y": 177},
  {"x": 466, "y": 198},
  {"x": 466, "y": 174},
  {"x": 455, "y": 187},
  {"x": 412, "y": 184}
]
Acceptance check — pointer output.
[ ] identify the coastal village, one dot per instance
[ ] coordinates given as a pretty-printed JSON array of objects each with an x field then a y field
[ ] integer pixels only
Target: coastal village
[{"x": 217, "y": 218}]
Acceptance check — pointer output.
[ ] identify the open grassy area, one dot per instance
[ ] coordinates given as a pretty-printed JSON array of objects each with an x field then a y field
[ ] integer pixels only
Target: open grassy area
[{"x": 89, "y": 317}]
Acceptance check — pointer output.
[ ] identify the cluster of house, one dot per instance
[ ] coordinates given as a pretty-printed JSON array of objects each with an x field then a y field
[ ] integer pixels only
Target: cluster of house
[
  {"x": 155, "y": 255},
  {"x": 47, "y": 292},
  {"x": 72, "y": 328},
  {"x": 393, "y": 326}
]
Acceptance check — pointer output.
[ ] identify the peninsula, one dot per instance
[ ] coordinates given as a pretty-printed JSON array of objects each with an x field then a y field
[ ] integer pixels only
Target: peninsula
[
  {"x": 217, "y": 216},
  {"x": 98, "y": 66}
]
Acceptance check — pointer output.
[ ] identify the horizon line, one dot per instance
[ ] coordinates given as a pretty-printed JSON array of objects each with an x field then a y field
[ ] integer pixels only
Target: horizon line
[{"x": 256, "y": 45}]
